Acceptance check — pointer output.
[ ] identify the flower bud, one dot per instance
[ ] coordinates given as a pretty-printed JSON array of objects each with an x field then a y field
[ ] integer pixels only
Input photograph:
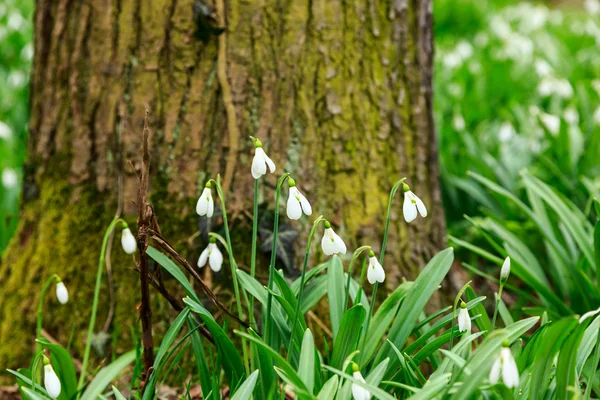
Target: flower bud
[
  {"x": 128, "y": 241},
  {"x": 62, "y": 294},
  {"x": 51, "y": 381},
  {"x": 505, "y": 270}
]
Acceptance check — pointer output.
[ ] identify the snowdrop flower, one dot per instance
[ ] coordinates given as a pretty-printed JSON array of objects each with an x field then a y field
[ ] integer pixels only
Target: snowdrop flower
[
  {"x": 542, "y": 68},
  {"x": 551, "y": 122},
  {"x": 571, "y": 116},
  {"x": 51, "y": 381},
  {"x": 205, "y": 205},
  {"x": 261, "y": 160},
  {"x": 506, "y": 367},
  {"x": 296, "y": 203},
  {"x": 506, "y": 132},
  {"x": 412, "y": 204},
  {"x": 213, "y": 255},
  {"x": 375, "y": 271},
  {"x": 505, "y": 270},
  {"x": 458, "y": 122},
  {"x": 596, "y": 116},
  {"x": 62, "y": 294},
  {"x": 589, "y": 314},
  {"x": 464, "y": 320},
  {"x": 128, "y": 241},
  {"x": 592, "y": 6},
  {"x": 9, "y": 178},
  {"x": 331, "y": 242},
  {"x": 359, "y": 392},
  {"x": 5, "y": 132}
]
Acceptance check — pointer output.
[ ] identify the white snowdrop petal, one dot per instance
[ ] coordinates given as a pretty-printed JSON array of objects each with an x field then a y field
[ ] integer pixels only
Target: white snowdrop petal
[
  {"x": 269, "y": 162},
  {"x": 464, "y": 320},
  {"x": 505, "y": 270},
  {"x": 358, "y": 392},
  {"x": 259, "y": 168},
  {"x": 128, "y": 241},
  {"x": 211, "y": 207},
  {"x": 588, "y": 315},
  {"x": 215, "y": 259},
  {"x": 340, "y": 246},
  {"x": 203, "y": 200},
  {"x": 371, "y": 275},
  {"x": 510, "y": 372},
  {"x": 408, "y": 209},
  {"x": 495, "y": 371},
  {"x": 203, "y": 258},
  {"x": 51, "y": 382},
  {"x": 305, "y": 204},
  {"x": 421, "y": 207},
  {"x": 294, "y": 209},
  {"x": 62, "y": 294},
  {"x": 327, "y": 244}
]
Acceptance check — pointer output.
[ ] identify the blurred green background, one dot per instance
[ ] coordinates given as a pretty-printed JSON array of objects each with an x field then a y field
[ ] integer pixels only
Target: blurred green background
[{"x": 517, "y": 86}]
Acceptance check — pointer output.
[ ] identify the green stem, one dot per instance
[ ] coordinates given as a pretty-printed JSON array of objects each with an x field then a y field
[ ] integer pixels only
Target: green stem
[
  {"x": 90, "y": 334},
  {"x": 498, "y": 297},
  {"x": 355, "y": 255},
  {"x": 455, "y": 305},
  {"x": 253, "y": 257},
  {"x": 590, "y": 383},
  {"x": 302, "y": 278},
  {"x": 38, "y": 329},
  {"x": 233, "y": 266},
  {"x": 268, "y": 325},
  {"x": 382, "y": 254},
  {"x": 362, "y": 279}
]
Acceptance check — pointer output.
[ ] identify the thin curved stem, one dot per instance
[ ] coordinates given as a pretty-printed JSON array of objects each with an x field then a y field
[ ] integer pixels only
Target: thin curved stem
[
  {"x": 90, "y": 334},
  {"x": 302, "y": 279},
  {"x": 38, "y": 329},
  {"x": 253, "y": 257},
  {"x": 498, "y": 297},
  {"x": 355, "y": 255},
  {"x": 268, "y": 333},
  {"x": 366, "y": 331},
  {"x": 360, "y": 284}
]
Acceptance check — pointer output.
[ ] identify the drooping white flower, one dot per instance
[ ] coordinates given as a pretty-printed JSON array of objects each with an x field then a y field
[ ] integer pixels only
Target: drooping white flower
[
  {"x": 62, "y": 294},
  {"x": 596, "y": 116},
  {"x": 505, "y": 270},
  {"x": 5, "y": 131},
  {"x": 297, "y": 203},
  {"x": 359, "y": 392},
  {"x": 375, "y": 272},
  {"x": 261, "y": 161},
  {"x": 542, "y": 68},
  {"x": 213, "y": 255},
  {"x": 458, "y": 122},
  {"x": 331, "y": 242},
  {"x": 128, "y": 241},
  {"x": 551, "y": 122},
  {"x": 505, "y": 366},
  {"x": 51, "y": 381},
  {"x": 464, "y": 320},
  {"x": 412, "y": 204},
  {"x": 9, "y": 178},
  {"x": 506, "y": 132},
  {"x": 589, "y": 314},
  {"x": 205, "y": 205},
  {"x": 571, "y": 115},
  {"x": 592, "y": 6}
]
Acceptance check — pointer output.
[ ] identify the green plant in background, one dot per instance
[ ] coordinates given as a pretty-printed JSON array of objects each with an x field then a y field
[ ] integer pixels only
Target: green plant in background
[{"x": 16, "y": 52}]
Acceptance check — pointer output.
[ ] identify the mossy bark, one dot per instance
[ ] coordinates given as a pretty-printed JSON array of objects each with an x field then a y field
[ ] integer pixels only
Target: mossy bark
[{"x": 338, "y": 91}]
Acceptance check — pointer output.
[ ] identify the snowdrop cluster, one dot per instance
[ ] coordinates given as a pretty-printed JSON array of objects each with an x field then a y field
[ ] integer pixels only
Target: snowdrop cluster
[
  {"x": 51, "y": 381},
  {"x": 505, "y": 367},
  {"x": 212, "y": 255}
]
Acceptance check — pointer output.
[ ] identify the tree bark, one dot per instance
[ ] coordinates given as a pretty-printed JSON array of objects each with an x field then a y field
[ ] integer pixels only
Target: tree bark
[{"x": 338, "y": 91}]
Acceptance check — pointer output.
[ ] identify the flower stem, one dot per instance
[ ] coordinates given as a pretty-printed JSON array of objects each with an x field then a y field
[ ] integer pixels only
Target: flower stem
[
  {"x": 88, "y": 343},
  {"x": 355, "y": 255},
  {"x": 233, "y": 266},
  {"x": 498, "y": 297},
  {"x": 38, "y": 329},
  {"x": 302, "y": 278},
  {"x": 381, "y": 256},
  {"x": 253, "y": 257},
  {"x": 362, "y": 279},
  {"x": 268, "y": 325},
  {"x": 455, "y": 305}
]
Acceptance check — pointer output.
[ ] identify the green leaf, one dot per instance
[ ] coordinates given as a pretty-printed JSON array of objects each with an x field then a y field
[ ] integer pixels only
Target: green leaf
[
  {"x": 483, "y": 322},
  {"x": 566, "y": 367},
  {"x": 336, "y": 292},
  {"x": 347, "y": 339},
  {"x": 329, "y": 389},
  {"x": 64, "y": 367},
  {"x": 306, "y": 367},
  {"x": 424, "y": 286},
  {"x": 173, "y": 270},
  {"x": 230, "y": 358},
  {"x": 106, "y": 375},
  {"x": 34, "y": 395},
  {"x": 375, "y": 391},
  {"x": 432, "y": 387},
  {"x": 118, "y": 395},
  {"x": 244, "y": 392},
  {"x": 199, "y": 355}
]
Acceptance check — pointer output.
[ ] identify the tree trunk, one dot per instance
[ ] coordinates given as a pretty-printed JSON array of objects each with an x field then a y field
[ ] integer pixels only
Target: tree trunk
[{"x": 338, "y": 91}]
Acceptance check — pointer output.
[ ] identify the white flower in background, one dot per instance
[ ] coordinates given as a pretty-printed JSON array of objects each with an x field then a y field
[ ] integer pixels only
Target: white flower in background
[
  {"x": 588, "y": 315},
  {"x": 458, "y": 122},
  {"x": 506, "y": 132},
  {"x": 260, "y": 161},
  {"x": 542, "y": 68},
  {"x": 213, "y": 255},
  {"x": 505, "y": 270},
  {"x": 62, "y": 294},
  {"x": 596, "y": 116},
  {"x": 128, "y": 241},
  {"x": 592, "y": 6},
  {"x": 464, "y": 49},
  {"x": 331, "y": 242},
  {"x": 452, "y": 60},
  {"x": 571, "y": 115},
  {"x": 554, "y": 86},
  {"x": 297, "y": 203},
  {"x": 51, "y": 381},
  {"x": 551, "y": 122},
  {"x": 205, "y": 205},
  {"x": 375, "y": 272},
  {"x": 412, "y": 204},
  {"x": 596, "y": 86},
  {"x": 359, "y": 392},
  {"x": 500, "y": 27},
  {"x": 455, "y": 90},
  {"x": 5, "y": 131},
  {"x": 505, "y": 366},
  {"x": 9, "y": 178},
  {"x": 464, "y": 320}
]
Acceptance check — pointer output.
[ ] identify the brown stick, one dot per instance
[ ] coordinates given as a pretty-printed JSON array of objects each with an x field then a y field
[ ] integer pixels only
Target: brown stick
[
  {"x": 183, "y": 262},
  {"x": 144, "y": 216}
]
